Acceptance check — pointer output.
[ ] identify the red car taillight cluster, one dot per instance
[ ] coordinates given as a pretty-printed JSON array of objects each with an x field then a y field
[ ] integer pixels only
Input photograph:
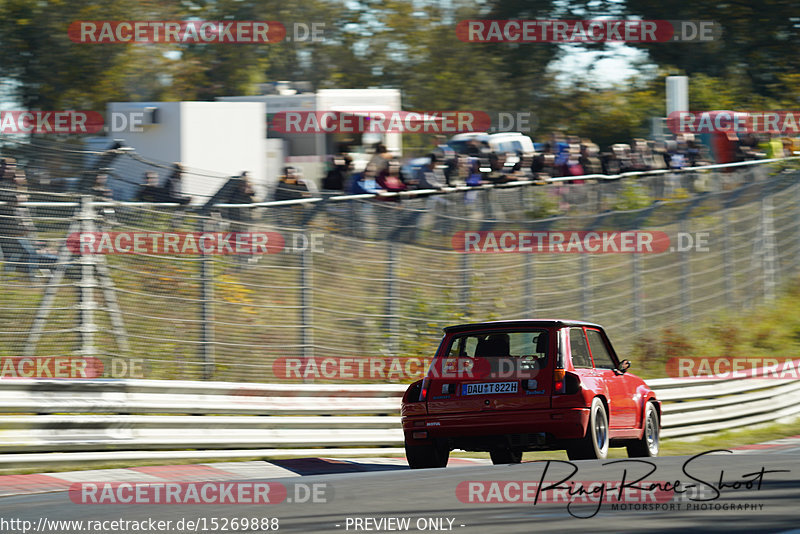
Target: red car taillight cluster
[
  {"x": 426, "y": 383},
  {"x": 559, "y": 381}
]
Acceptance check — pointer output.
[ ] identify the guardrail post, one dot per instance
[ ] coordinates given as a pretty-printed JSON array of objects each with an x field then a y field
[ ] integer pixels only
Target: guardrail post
[
  {"x": 586, "y": 287},
  {"x": 686, "y": 300},
  {"x": 86, "y": 305},
  {"x": 206, "y": 308}
]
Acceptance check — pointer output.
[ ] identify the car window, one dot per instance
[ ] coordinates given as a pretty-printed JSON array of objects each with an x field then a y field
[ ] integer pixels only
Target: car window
[
  {"x": 600, "y": 355},
  {"x": 580, "y": 352},
  {"x": 531, "y": 346}
]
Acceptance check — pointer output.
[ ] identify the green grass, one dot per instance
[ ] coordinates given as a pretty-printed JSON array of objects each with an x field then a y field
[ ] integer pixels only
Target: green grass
[{"x": 770, "y": 330}]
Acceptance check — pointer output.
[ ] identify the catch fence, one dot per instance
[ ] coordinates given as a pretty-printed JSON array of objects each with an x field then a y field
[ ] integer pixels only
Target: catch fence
[{"x": 378, "y": 277}]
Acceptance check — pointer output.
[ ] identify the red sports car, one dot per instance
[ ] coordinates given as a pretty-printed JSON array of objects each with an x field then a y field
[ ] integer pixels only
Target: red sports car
[{"x": 512, "y": 386}]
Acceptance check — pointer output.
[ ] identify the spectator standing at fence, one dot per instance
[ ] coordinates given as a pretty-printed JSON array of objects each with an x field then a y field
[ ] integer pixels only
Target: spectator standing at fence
[
  {"x": 290, "y": 187},
  {"x": 365, "y": 182},
  {"x": 522, "y": 168},
  {"x": 100, "y": 189},
  {"x": 150, "y": 190},
  {"x": 543, "y": 165},
  {"x": 463, "y": 171},
  {"x": 17, "y": 231},
  {"x": 430, "y": 175},
  {"x": 391, "y": 181},
  {"x": 242, "y": 193},
  {"x": 589, "y": 158},
  {"x": 173, "y": 186},
  {"x": 339, "y": 174},
  {"x": 8, "y": 167},
  {"x": 380, "y": 160}
]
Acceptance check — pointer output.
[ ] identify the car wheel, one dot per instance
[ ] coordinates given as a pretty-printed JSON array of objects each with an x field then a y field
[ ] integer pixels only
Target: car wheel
[
  {"x": 505, "y": 456},
  {"x": 426, "y": 456},
  {"x": 647, "y": 447},
  {"x": 594, "y": 445}
]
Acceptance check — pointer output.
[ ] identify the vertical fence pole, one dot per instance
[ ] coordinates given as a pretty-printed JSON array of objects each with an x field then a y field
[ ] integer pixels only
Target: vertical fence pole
[
  {"x": 586, "y": 286},
  {"x": 727, "y": 259},
  {"x": 306, "y": 315},
  {"x": 392, "y": 327},
  {"x": 206, "y": 308},
  {"x": 796, "y": 218},
  {"x": 638, "y": 319},
  {"x": 530, "y": 286},
  {"x": 686, "y": 298},
  {"x": 465, "y": 261},
  {"x": 88, "y": 283},
  {"x": 768, "y": 251}
]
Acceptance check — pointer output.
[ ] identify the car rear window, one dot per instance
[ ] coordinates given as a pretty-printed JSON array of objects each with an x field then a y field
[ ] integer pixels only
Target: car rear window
[{"x": 531, "y": 346}]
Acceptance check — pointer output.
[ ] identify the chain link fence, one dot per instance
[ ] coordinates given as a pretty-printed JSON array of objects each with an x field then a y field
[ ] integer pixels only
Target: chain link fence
[{"x": 364, "y": 277}]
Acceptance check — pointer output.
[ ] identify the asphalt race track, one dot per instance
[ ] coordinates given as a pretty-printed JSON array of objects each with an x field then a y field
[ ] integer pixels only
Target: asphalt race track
[{"x": 759, "y": 492}]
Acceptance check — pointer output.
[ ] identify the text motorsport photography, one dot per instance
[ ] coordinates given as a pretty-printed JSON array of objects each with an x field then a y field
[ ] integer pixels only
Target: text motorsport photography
[{"x": 633, "y": 489}]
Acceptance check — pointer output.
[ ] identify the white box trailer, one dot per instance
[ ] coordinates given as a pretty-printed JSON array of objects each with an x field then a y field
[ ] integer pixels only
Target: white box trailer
[
  {"x": 309, "y": 152},
  {"x": 217, "y": 139}
]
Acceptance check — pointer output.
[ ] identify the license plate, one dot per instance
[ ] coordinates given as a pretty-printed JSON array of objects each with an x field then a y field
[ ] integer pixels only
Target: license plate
[{"x": 488, "y": 388}]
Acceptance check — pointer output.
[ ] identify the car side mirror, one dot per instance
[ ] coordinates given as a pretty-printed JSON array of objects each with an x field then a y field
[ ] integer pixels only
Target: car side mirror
[{"x": 623, "y": 366}]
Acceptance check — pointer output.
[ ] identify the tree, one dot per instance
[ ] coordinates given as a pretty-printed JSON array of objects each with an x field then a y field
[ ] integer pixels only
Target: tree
[{"x": 50, "y": 72}]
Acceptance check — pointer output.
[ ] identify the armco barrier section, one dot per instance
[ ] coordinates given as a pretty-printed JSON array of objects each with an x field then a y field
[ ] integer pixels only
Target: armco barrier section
[{"x": 140, "y": 418}]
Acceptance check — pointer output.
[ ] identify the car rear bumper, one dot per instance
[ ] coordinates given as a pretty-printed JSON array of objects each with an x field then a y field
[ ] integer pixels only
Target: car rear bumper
[{"x": 558, "y": 424}]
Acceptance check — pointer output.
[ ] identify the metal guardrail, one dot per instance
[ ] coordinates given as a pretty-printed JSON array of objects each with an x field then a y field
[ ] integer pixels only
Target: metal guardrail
[{"x": 143, "y": 419}]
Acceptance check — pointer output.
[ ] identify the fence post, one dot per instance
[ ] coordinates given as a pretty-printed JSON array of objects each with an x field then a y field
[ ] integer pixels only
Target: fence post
[
  {"x": 586, "y": 287},
  {"x": 686, "y": 301},
  {"x": 768, "y": 257},
  {"x": 306, "y": 315},
  {"x": 726, "y": 259},
  {"x": 795, "y": 218},
  {"x": 88, "y": 283},
  {"x": 638, "y": 319},
  {"x": 530, "y": 287},
  {"x": 391, "y": 304},
  {"x": 206, "y": 308},
  {"x": 465, "y": 283}
]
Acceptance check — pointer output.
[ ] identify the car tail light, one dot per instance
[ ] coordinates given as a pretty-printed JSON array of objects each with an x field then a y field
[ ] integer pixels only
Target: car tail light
[
  {"x": 448, "y": 389},
  {"x": 423, "y": 394},
  {"x": 559, "y": 379},
  {"x": 419, "y": 435},
  {"x": 566, "y": 383}
]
